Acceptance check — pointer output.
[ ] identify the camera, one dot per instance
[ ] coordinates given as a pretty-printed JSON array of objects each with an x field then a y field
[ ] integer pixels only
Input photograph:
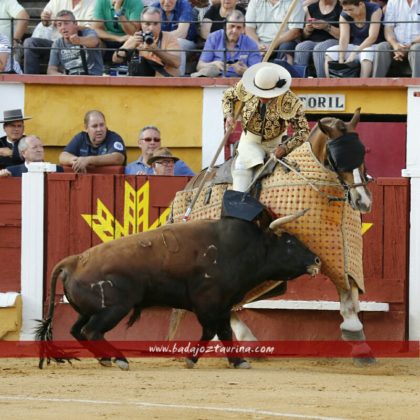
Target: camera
[{"x": 148, "y": 37}]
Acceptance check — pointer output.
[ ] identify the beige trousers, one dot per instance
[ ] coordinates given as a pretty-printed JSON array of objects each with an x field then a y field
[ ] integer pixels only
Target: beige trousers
[{"x": 251, "y": 153}]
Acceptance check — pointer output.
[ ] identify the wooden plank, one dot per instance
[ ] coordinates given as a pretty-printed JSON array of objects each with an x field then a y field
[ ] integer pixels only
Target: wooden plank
[
  {"x": 164, "y": 188},
  {"x": 373, "y": 238},
  {"x": 10, "y": 190},
  {"x": 57, "y": 220},
  {"x": 103, "y": 189},
  {"x": 393, "y": 181},
  {"x": 395, "y": 241},
  {"x": 10, "y": 272},
  {"x": 80, "y": 234}
]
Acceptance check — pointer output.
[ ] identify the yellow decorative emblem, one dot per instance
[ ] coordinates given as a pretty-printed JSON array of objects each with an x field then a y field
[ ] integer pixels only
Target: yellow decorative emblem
[
  {"x": 136, "y": 215},
  {"x": 366, "y": 227}
]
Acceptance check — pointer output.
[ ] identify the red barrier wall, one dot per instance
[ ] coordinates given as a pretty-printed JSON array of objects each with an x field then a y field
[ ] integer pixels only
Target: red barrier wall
[
  {"x": 68, "y": 196},
  {"x": 10, "y": 229},
  {"x": 385, "y": 258}
]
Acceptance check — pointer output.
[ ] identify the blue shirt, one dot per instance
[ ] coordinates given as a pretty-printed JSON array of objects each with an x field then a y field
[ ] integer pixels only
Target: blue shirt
[
  {"x": 80, "y": 145},
  {"x": 246, "y": 50},
  {"x": 181, "y": 168},
  {"x": 182, "y": 13}
]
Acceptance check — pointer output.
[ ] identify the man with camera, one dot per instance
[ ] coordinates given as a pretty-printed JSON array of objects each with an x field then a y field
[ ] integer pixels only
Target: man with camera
[
  {"x": 151, "y": 52},
  {"x": 75, "y": 52},
  {"x": 116, "y": 20},
  {"x": 228, "y": 52}
]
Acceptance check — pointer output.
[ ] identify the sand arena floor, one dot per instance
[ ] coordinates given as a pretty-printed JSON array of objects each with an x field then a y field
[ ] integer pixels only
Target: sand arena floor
[{"x": 162, "y": 388}]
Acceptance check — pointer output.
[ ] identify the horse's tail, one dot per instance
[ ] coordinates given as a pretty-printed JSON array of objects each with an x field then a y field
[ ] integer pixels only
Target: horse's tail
[{"x": 44, "y": 331}]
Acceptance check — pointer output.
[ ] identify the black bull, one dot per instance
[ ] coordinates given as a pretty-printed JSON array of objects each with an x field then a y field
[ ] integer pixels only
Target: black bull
[{"x": 204, "y": 266}]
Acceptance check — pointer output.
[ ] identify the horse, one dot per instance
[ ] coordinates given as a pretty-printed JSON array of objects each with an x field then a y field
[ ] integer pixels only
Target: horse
[{"x": 329, "y": 172}]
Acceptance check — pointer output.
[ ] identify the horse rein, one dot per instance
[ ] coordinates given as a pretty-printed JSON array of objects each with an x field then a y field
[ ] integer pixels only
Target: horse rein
[{"x": 313, "y": 186}]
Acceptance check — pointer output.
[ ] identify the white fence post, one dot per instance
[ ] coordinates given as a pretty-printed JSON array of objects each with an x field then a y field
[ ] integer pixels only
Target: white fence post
[
  {"x": 32, "y": 259},
  {"x": 413, "y": 171}
]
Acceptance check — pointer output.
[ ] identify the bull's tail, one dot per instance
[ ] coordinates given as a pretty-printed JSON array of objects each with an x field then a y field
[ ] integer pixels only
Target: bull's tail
[{"x": 44, "y": 332}]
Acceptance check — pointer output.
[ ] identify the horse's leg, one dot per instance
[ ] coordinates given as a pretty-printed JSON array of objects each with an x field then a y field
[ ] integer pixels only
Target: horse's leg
[
  {"x": 241, "y": 330},
  {"x": 351, "y": 327},
  {"x": 97, "y": 326},
  {"x": 177, "y": 315},
  {"x": 224, "y": 332}
]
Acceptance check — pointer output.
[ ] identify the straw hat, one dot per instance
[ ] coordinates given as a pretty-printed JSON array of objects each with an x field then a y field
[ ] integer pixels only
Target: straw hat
[
  {"x": 13, "y": 115},
  {"x": 266, "y": 80},
  {"x": 161, "y": 153}
]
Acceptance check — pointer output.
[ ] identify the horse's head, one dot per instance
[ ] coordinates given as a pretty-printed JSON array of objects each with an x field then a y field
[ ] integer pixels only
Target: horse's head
[{"x": 337, "y": 145}]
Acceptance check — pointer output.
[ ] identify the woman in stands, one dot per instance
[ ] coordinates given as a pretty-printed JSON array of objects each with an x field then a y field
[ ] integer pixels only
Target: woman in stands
[
  {"x": 360, "y": 30},
  {"x": 321, "y": 32}
]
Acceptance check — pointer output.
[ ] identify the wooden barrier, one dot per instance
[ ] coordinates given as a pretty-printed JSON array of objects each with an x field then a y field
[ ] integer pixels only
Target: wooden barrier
[{"x": 85, "y": 210}]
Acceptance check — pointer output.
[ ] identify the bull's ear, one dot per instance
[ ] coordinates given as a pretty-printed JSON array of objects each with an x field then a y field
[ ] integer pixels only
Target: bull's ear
[{"x": 275, "y": 225}]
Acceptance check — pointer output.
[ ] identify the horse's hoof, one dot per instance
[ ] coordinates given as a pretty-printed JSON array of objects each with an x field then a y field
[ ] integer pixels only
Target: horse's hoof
[
  {"x": 122, "y": 364},
  {"x": 240, "y": 365},
  {"x": 364, "y": 361},
  {"x": 105, "y": 362},
  {"x": 189, "y": 364}
]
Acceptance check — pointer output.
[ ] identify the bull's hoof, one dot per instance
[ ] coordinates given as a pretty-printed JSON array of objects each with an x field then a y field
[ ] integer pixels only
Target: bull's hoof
[
  {"x": 364, "y": 361},
  {"x": 104, "y": 361},
  {"x": 242, "y": 364},
  {"x": 122, "y": 364},
  {"x": 189, "y": 364}
]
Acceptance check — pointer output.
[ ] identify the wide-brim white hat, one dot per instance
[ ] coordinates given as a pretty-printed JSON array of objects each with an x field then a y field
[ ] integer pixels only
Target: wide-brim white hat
[{"x": 266, "y": 80}]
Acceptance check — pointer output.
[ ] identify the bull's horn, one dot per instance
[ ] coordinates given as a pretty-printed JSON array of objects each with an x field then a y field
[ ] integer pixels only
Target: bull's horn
[
  {"x": 355, "y": 119},
  {"x": 286, "y": 219}
]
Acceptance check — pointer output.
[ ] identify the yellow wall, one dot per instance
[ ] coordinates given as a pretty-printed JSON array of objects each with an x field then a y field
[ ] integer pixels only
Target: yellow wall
[
  {"x": 57, "y": 115},
  {"x": 58, "y": 111}
]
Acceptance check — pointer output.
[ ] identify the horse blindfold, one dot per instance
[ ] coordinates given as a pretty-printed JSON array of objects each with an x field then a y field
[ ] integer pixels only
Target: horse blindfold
[{"x": 346, "y": 153}]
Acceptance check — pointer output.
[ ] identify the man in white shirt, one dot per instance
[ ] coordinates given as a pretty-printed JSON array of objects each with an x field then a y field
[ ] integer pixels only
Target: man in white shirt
[
  {"x": 263, "y": 20},
  {"x": 12, "y": 9},
  {"x": 34, "y": 57},
  {"x": 402, "y": 34}
]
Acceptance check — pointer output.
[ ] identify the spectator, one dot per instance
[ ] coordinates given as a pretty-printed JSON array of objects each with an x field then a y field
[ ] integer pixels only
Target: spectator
[
  {"x": 162, "y": 162},
  {"x": 117, "y": 20},
  {"x": 360, "y": 25},
  {"x": 96, "y": 146},
  {"x": 11, "y": 9},
  {"x": 6, "y": 57},
  {"x": 321, "y": 32},
  {"x": 263, "y": 19},
  {"x": 32, "y": 150},
  {"x": 37, "y": 49},
  {"x": 70, "y": 54},
  {"x": 177, "y": 16},
  {"x": 228, "y": 52},
  {"x": 160, "y": 55},
  {"x": 149, "y": 141},
  {"x": 200, "y": 8},
  {"x": 402, "y": 34},
  {"x": 14, "y": 127},
  {"x": 215, "y": 17},
  {"x": 268, "y": 109}
]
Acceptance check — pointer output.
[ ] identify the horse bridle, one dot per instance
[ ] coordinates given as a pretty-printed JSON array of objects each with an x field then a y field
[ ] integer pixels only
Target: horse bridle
[{"x": 332, "y": 163}]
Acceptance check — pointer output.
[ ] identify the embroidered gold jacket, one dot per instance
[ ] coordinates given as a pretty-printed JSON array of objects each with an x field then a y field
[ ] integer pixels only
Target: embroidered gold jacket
[{"x": 281, "y": 111}]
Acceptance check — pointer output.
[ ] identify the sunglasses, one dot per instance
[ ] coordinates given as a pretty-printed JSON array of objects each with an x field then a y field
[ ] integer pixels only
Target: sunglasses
[{"x": 149, "y": 139}]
